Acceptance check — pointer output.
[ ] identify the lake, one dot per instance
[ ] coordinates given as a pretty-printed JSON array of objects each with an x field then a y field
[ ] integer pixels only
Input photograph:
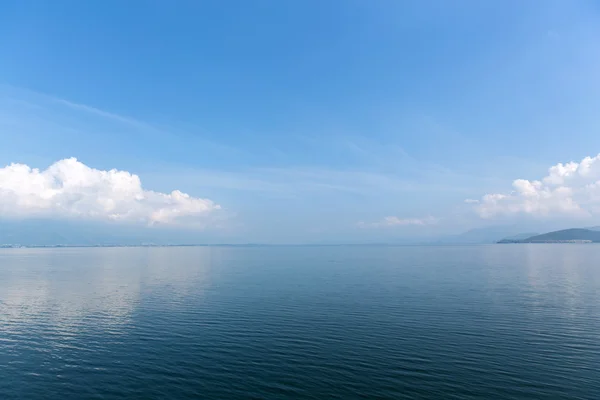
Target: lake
[{"x": 339, "y": 322}]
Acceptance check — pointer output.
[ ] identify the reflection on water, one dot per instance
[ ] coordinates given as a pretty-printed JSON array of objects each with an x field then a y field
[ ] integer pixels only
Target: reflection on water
[
  {"x": 504, "y": 321},
  {"x": 99, "y": 288}
]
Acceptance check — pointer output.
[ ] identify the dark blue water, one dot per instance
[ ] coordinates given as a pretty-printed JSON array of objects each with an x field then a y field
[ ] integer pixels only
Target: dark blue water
[{"x": 481, "y": 322}]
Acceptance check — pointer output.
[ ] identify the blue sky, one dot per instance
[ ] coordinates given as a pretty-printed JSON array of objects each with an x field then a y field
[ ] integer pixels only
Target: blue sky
[{"x": 311, "y": 120}]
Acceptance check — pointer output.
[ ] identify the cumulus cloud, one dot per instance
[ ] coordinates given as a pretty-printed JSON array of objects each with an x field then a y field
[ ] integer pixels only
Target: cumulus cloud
[
  {"x": 392, "y": 221},
  {"x": 70, "y": 189},
  {"x": 571, "y": 189}
]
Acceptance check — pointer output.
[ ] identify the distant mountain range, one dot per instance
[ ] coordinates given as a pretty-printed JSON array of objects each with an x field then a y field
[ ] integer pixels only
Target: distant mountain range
[
  {"x": 485, "y": 235},
  {"x": 34, "y": 233},
  {"x": 46, "y": 232},
  {"x": 574, "y": 235},
  {"x": 520, "y": 237}
]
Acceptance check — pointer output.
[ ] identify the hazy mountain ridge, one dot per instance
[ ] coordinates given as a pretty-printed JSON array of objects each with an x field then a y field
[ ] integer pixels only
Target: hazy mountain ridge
[
  {"x": 46, "y": 232},
  {"x": 564, "y": 235},
  {"x": 485, "y": 235},
  {"x": 521, "y": 236},
  {"x": 37, "y": 232}
]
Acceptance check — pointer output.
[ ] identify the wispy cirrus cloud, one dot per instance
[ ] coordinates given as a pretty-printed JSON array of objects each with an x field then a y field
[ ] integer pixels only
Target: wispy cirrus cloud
[{"x": 41, "y": 117}]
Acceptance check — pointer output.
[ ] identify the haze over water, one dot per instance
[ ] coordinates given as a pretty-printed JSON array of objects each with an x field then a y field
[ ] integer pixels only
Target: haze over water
[{"x": 468, "y": 322}]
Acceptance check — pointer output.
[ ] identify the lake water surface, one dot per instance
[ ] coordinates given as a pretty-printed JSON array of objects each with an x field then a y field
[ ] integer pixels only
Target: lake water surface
[{"x": 468, "y": 322}]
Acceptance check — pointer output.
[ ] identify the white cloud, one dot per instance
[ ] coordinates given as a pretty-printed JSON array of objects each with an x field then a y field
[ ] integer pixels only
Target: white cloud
[
  {"x": 571, "y": 189},
  {"x": 70, "y": 189},
  {"x": 392, "y": 221}
]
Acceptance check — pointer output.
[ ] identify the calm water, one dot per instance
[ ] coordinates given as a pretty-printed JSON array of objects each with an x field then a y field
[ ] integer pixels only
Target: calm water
[{"x": 480, "y": 322}]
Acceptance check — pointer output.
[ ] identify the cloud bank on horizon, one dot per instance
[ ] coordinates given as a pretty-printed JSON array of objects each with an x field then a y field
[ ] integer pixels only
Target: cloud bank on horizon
[
  {"x": 571, "y": 189},
  {"x": 70, "y": 189}
]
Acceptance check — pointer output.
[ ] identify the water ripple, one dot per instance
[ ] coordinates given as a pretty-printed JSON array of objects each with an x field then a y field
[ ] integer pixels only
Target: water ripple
[{"x": 481, "y": 322}]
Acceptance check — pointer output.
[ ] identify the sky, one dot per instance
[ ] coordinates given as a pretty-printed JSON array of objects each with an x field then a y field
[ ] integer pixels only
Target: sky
[{"x": 301, "y": 121}]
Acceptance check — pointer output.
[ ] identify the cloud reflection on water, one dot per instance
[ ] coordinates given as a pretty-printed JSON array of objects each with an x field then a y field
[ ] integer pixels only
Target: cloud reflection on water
[{"x": 66, "y": 290}]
